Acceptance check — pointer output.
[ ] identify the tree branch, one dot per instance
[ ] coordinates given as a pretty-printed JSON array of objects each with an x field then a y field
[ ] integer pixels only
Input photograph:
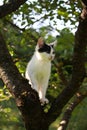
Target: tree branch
[
  {"x": 21, "y": 29},
  {"x": 67, "y": 114},
  {"x": 10, "y": 7},
  {"x": 14, "y": 25},
  {"x": 78, "y": 72},
  {"x": 27, "y": 99}
]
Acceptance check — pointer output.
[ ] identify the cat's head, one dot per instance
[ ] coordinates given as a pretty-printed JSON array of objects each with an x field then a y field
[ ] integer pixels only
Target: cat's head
[{"x": 45, "y": 51}]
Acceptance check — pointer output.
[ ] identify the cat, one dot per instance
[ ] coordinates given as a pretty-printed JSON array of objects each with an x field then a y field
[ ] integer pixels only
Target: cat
[{"x": 39, "y": 68}]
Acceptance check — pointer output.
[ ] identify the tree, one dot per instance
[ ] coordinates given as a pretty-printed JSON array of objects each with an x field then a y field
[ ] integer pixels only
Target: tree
[{"x": 27, "y": 101}]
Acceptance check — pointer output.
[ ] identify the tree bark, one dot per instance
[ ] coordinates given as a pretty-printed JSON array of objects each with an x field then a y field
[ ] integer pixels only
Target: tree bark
[
  {"x": 26, "y": 98},
  {"x": 68, "y": 113},
  {"x": 10, "y": 7},
  {"x": 78, "y": 72}
]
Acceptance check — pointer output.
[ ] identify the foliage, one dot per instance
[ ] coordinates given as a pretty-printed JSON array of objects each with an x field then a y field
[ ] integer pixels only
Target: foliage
[{"x": 21, "y": 37}]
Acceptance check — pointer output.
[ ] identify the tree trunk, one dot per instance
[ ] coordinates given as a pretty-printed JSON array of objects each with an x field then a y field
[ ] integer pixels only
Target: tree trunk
[{"x": 26, "y": 98}]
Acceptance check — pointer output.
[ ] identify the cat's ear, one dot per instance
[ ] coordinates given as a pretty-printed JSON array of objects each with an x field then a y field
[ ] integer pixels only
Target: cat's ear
[
  {"x": 40, "y": 42},
  {"x": 54, "y": 43}
]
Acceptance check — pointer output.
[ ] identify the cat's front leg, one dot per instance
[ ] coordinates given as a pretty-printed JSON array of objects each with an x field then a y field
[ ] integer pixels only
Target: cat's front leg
[
  {"x": 34, "y": 84},
  {"x": 44, "y": 101},
  {"x": 42, "y": 94}
]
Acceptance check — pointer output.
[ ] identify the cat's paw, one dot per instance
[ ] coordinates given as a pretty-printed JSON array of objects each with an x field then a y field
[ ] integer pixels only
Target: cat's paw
[{"x": 44, "y": 101}]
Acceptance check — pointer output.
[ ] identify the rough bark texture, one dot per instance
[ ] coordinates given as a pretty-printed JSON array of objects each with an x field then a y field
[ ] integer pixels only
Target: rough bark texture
[
  {"x": 10, "y": 7},
  {"x": 68, "y": 113},
  {"x": 27, "y": 99}
]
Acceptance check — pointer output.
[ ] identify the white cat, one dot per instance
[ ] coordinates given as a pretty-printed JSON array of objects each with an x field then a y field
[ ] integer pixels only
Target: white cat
[{"x": 39, "y": 68}]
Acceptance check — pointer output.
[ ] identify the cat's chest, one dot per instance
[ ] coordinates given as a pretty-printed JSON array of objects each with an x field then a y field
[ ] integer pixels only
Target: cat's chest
[
  {"x": 42, "y": 71},
  {"x": 40, "y": 68}
]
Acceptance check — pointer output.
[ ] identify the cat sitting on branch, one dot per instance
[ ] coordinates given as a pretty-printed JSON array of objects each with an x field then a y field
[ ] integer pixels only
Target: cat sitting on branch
[{"x": 38, "y": 70}]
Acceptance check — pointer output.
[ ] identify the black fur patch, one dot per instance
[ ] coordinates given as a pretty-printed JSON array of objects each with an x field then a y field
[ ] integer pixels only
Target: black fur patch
[{"x": 45, "y": 48}]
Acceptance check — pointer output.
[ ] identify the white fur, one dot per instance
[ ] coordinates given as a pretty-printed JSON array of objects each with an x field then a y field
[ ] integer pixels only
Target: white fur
[{"x": 38, "y": 72}]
